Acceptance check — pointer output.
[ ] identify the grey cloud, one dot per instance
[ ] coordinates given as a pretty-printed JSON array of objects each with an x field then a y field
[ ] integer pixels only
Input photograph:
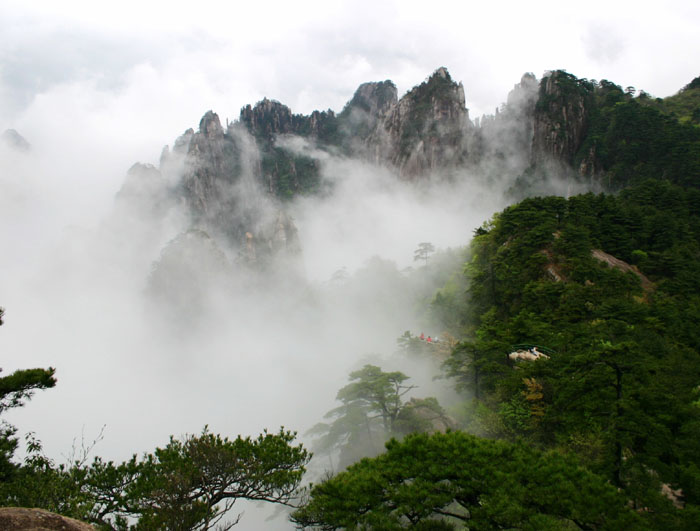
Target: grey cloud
[
  {"x": 602, "y": 43},
  {"x": 34, "y": 61}
]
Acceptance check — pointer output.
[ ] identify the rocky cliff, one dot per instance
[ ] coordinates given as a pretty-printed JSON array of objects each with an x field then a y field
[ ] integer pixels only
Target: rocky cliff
[
  {"x": 269, "y": 118},
  {"x": 211, "y": 185},
  {"x": 282, "y": 173},
  {"x": 560, "y": 118},
  {"x": 221, "y": 185},
  {"x": 608, "y": 139},
  {"x": 424, "y": 131},
  {"x": 428, "y": 128},
  {"x": 501, "y": 144},
  {"x": 233, "y": 182},
  {"x": 363, "y": 115}
]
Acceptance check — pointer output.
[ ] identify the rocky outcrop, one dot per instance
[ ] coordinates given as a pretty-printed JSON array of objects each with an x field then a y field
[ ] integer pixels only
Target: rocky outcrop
[
  {"x": 322, "y": 126},
  {"x": 616, "y": 263},
  {"x": 280, "y": 237},
  {"x": 221, "y": 183},
  {"x": 530, "y": 354},
  {"x": 20, "y": 519},
  {"x": 218, "y": 183},
  {"x": 285, "y": 236},
  {"x": 426, "y": 415},
  {"x": 373, "y": 99},
  {"x": 233, "y": 181},
  {"x": 211, "y": 186},
  {"x": 522, "y": 99},
  {"x": 172, "y": 162},
  {"x": 363, "y": 114},
  {"x": 207, "y": 174},
  {"x": 502, "y": 143},
  {"x": 561, "y": 118},
  {"x": 282, "y": 173},
  {"x": 589, "y": 165},
  {"x": 427, "y": 129},
  {"x": 269, "y": 118}
]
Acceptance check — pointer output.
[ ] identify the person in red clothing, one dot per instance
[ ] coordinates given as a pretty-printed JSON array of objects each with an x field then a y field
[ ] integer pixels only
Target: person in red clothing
[
  {"x": 429, "y": 340},
  {"x": 422, "y": 336}
]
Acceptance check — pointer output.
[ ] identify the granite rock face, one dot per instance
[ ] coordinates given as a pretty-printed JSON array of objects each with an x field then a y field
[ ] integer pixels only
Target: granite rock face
[
  {"x": 19, "y": 519},
  {"x": 282, "y": 173},
  {"x": 560, "y": 118},
  {"x": 429, "y": 127},
  {"x": 234, "y": 181},
  {"x": 269, "y": 118},
  {"x": 363, "y": 115},
  {"x": 375, "y": 99},
  {"x": 502, "y": 143},
  {"x": 221, "y": 185}
]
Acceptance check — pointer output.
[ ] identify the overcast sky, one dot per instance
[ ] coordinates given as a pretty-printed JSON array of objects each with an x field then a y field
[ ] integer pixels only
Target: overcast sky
[{"x": 147, "y": 70}]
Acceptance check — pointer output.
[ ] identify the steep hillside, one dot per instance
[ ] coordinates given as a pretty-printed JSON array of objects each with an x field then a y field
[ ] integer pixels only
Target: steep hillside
[
  {"x": 685, "y": 105},
  {"x": 607, "y": 286}
]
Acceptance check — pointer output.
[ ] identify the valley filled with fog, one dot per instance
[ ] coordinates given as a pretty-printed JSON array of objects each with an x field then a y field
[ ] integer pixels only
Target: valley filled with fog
[{"x": 231, "y": 348}]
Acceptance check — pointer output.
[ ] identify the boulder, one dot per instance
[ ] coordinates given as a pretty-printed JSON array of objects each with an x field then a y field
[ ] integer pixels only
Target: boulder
[{"x": 20, "y": 518}]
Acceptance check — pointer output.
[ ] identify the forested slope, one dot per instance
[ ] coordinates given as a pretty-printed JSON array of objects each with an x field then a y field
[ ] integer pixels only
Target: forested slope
[
  {"x": 619, "y": 387},
  {"x": 578, "y": 354}
]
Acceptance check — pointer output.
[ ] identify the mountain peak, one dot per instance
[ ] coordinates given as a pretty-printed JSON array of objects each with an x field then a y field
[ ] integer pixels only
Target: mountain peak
[
  {"x": 267, "y": 118},
  {"x": 210, "y": 125},
  {"x": 694, "y": 84},
  {"x": 443, "y": 73},
  {"x": 374, "y": 98}
]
